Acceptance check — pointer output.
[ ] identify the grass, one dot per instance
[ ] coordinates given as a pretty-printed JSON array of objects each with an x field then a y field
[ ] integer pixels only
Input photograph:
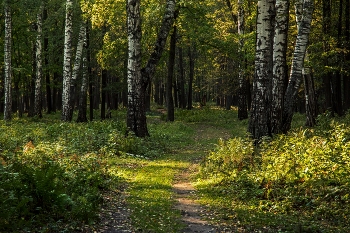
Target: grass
[{"x": 52, "y": 172}]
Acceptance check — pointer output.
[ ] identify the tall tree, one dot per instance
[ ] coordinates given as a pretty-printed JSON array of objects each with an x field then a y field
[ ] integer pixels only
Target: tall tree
[
  {"x": 39, "y": 65},
  {"x": 259, "y": 122},
  {"x": 138, "y": 78},
  {"x": 304, "y": 18},
  {"x": 67, "y": 111},
  {"x": 7, "y": 61},
  {"x": 169, "y": 84},
  {"x": 242, "y": 91},
  {"x": 280, "y": 69},
  {"x": 77, "y": 63}
]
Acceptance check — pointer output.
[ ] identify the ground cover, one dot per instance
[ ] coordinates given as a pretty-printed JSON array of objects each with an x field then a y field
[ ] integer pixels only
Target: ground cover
[{"x": 91, "y": 177}]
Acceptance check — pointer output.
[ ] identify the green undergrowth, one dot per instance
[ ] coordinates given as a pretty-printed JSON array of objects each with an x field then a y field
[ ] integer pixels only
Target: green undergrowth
[
  {"x": 297, "y": 182},
  {"x": 53, "y": 174}
]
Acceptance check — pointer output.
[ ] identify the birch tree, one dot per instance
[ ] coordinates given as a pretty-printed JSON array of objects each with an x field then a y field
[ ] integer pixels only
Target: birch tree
[
  {"x": 138, "y": 78},
  {"x": 67, "y": 111},
  {"x": 280, "y": 69},
  {"x": 304, "y": 18},
  {"x": 259, "y": 122},
  {"x": 242, "y": 91},
  {"x": 83, "y": 43},
  {"x": 7, "y": 61},
  {"x": 77, "y": 63},
  {"x": 39, "y": 65}
]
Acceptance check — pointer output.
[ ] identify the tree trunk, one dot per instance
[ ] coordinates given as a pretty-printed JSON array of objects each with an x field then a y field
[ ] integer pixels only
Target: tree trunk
[
  {"x": 47, "y": 74},
  {"x": 39, "y": 66},
  {"x": 259, "y": 122},
  {"x": 346, "y": 79},
  {"x": 103, "y": 93},
  {"x": 191, "y": 77},
  {"x": 181, "y": 81},
  {"x": 242, "y": 89},
  {"x": 280, "y": 71},
  {"x": 301, "y": 43},
  {"x": 67, "y": 111},
  {"x": 7, "y": 62},
  {"x": 139, "y": 79},
  {"x": 310, "y": 98},
  {"x": 82, "y": 107},
  {"x": 169, "y": 84}
]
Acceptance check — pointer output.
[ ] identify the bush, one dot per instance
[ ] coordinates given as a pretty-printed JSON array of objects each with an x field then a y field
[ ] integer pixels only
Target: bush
[{"x": 305, "y": 173}]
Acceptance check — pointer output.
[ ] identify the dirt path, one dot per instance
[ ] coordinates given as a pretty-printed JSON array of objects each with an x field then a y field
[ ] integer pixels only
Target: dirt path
[{"x": 191, "y": 211}]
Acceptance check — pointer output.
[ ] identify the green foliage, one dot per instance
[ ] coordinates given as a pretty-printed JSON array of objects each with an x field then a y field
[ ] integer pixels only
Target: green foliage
[
  {"x": 52, "y": 174},
  {"x": 303, "y": 175}
]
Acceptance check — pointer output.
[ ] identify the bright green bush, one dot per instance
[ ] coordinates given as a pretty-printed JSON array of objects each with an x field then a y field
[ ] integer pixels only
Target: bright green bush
[{"x": 305, "y": 173}]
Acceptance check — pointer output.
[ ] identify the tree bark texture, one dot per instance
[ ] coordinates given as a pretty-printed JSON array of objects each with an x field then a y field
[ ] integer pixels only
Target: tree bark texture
[
  {"x": 295, "y": 78},
  {"x": 242, "y": 89},
  {"x": 39, "y": 66},
  {"x": 7, "y": 62},
  {"x": 259, "y": 122},
  {"x": 181, "y": 81},
  {"x": 67, "y": 111},
  {"x": 134, "y": 69},
  {"x": 280, "y": 70},
  {"x": 169, "y": 84},
  {"x": 138, "y": 78},
  {"x": 310, "y": 98},
  {"x": 191, "y": 52},
  {"x": 47, "y": 74}
]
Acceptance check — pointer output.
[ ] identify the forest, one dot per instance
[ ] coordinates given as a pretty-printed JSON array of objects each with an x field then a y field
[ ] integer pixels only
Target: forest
[{"x": 138, "y": 116}]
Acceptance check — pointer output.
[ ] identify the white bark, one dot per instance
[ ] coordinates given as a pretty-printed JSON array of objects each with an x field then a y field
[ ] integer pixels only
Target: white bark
[
  {"x": 134, "y": 62},
  {"x": 242, "y": 100},
  {"x": 279, "y": 63},
  {"x": 67, "y": 74},
  {"x": 79, "y": 53},
  {"x": 7, "y": 61},
  {"x": 259, "y": 124},
  {"x": 304, "y": 27},
  {"x": 39, "y": 65}
]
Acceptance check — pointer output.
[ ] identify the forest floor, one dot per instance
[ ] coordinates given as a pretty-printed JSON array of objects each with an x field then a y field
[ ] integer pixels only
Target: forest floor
[{"x": 193, "y": 216}]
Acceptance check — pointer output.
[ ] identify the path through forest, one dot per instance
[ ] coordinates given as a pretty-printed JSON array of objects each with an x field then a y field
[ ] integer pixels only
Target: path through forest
[{"x": 115, "y": 214}]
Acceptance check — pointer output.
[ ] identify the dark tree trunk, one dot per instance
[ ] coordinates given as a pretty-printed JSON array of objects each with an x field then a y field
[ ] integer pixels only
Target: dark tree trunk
[
  {"x": 156, "y": 91},
  {"x": 161, "y": 94},
  {"x": 346, "y": 78},
  {"x": 181, "y": 81},
  {"x": 47, "y": 74},
  {"x": 169, "y": 86},
  {"x": 326, "y": 10},
  {"x": 103, "y": 93},
  {"x": 310, "y": 99},
  {"x": 191, "y": 77},
  {"x": 32, "y": 85}
]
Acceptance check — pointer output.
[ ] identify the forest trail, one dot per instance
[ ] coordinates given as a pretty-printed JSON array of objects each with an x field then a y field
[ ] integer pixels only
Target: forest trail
[
  {"x": 191, "y": 211},
  {"x": 116, "y": 213}
]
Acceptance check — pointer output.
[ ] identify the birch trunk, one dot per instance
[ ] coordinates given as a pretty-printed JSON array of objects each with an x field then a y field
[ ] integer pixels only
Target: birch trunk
[
  {"x": 39, "y": 66},
  {"x": 259, "y": 122},
  {"x": 82, "y": 106},
  {"x": 242, "y": 89},
  {"x": 77, "y": 64},
  {"x": 134, "y": 67},
  {"x": 280, "y": 70},
  {"x": 139, "y": 79},
  {"x": 67, "y": 111},
  {"x": 301, "y": 43},
  {"x": 7, "y": 62}
]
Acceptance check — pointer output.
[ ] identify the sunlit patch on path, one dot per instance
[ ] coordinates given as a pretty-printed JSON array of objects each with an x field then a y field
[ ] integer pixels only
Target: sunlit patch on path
[{"x": 191, "y": 211}]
